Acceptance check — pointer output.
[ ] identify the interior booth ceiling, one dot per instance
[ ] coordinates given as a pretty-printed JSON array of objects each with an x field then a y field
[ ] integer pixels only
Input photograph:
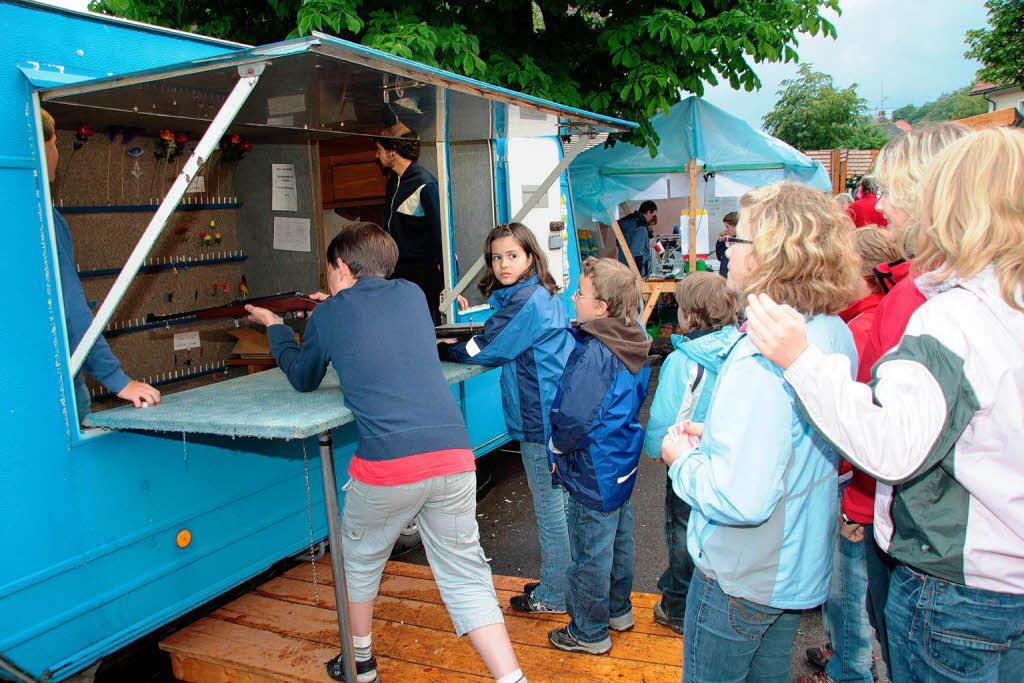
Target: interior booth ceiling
[{"x": 320, "y": 86}]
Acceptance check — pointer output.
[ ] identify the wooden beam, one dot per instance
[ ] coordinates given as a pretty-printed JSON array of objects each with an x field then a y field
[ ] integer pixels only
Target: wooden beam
[
  {"x": 625, "y": 250},
  {"x": 693, "y": 216},
  {"x": 1003, "y": 117}
]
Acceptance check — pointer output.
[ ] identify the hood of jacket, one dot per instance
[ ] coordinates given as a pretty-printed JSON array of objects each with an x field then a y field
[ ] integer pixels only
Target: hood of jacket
[
  {"x": 985, "y": 286},
  {"x": 501, "y": 296},
  {"x": 710, "y": 349},
  {"x": 628, "y": 341},
  {"x": 890, "y": 274}
]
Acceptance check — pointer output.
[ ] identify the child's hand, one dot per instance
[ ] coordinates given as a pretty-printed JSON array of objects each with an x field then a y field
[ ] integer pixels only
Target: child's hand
[
  {"x": 463, "y": 302},
  {"x": 318, "y": 296},
  {"x": 263, "y": 316},
  {"x": 447, "y": 340},
  {"x": 681, "y": 438}
]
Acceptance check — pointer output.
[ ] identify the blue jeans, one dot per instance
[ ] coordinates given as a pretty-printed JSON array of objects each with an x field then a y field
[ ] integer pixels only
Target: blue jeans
[
  {"x": 879, "y": 566},
  {"x": 847, "y": 614},
  {"x": 83, "y": 401},
  {"x": 675, "y": 581},
  {"x": 549, "y": 502},
  {"x": 727, "y": 639},
  {"x": 942, "y": 631},
  {"x": 601, "y": 577}
]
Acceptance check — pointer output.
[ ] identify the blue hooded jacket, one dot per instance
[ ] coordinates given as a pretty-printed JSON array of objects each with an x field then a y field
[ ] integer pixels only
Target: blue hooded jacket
[
  {"x": 676, "y": 398},
  {"x": 596, "y": 435},
  {"x": 762, "y": 483},
  {"x": 528, "y": 335}
]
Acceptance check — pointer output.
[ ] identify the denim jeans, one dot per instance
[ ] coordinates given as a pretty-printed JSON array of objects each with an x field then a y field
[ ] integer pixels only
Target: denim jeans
[
  {"x": 727, "y": 639},
  {"x": 846, "y": 610},
  {"x": 879, "y": 566},
  {"x": 549, "y": 501},
  {"x": 942, "y": 631},
  {"x": 83, "y": 401},
  {"x": 601, "y": 576},
  {"x": 675, "y": 581}
]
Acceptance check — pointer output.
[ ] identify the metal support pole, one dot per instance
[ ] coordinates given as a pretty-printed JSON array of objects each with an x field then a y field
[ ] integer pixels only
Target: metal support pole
[
  {"x": 249, "y": 76},
  {"x": 342, "y": 667},
  {"x": 449, "y": 296}
]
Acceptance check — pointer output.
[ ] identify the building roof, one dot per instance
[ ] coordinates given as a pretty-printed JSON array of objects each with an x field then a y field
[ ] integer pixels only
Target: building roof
[
  {"x": 902, "y": 125},
  {"x": 981, "y": 87}
]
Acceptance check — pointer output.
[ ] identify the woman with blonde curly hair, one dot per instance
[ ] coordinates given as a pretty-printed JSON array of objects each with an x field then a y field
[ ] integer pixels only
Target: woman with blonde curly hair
[
  {"x": 941, "y": 421},
  {"x": 761, "y": 485}
]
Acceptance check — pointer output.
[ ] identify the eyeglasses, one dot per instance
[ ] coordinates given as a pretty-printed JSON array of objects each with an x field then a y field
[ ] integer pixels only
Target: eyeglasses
[
  {"x": 737, "y": 240},
  {"x": 580, "y": 295}
]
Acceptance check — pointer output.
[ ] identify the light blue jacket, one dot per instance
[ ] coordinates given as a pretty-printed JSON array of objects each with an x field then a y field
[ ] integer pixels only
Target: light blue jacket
[
  {"x": 762, "y": 483},
  {"x": 674, "y": 401}
]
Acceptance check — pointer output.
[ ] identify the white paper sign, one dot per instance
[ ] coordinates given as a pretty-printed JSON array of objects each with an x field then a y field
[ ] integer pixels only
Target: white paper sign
[
  {"x": 186, "y": 340},
  {"x": 198, "y": 184},
  {"x": 291, "y": 234},
  {"x": 702, "y": 234},
  {"x": 283, "y": 188},
  {"x": 286, "y": 104}
]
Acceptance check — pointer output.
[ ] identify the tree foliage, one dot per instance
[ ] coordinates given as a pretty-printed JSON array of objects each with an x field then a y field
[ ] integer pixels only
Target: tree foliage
[
  {"x": 812, "y": 114},
  {"x": 626, "y": 59},
  {"x": 947, "y": 107},
  {"x": 1000, "y": 47}
]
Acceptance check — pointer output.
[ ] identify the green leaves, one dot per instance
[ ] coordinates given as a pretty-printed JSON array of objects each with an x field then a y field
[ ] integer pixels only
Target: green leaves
[{"x": 1000, "y": 48}]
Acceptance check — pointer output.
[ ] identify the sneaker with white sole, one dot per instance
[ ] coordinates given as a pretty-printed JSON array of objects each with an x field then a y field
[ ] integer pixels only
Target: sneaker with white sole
[
  {"x": 563, "y": 640},
  {"x": 366, "y": 671},
  {"x": 623, "y": 622},
  {"x": 528, "y": 604}
]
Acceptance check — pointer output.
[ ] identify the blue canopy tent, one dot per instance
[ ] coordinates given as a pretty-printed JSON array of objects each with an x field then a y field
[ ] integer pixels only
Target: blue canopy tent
[{"x": 697, "y": 139}]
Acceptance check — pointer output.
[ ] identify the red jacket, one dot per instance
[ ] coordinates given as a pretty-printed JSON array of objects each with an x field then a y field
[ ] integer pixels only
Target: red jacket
[
  {"x": 890, "y": 320},
  {"x": 863, "y": 211}
]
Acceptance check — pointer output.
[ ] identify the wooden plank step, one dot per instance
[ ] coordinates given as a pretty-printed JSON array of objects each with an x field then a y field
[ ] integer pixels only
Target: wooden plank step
[
  {"x": 440, "y": 648},
  {"x": 425, "y": 590},
  {"x": 522, "y": 628},
  {"x": 218, "y": 651}
]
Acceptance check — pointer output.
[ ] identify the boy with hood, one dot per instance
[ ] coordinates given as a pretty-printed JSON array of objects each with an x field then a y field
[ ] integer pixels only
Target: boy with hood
[
  {"x": 594, "y": 449},
  {"x": 709, "y": 311}
]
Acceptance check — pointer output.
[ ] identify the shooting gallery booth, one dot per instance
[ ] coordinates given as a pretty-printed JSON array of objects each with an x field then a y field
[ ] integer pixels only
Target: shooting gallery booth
[{"x": 195, "y": 172}]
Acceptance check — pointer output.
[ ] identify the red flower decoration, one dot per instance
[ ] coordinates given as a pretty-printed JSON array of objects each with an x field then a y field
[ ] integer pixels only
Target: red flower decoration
[
  {"x": 236, "y": 138},
  {"x": 180, "y": 138},
  {"x": 85, "y": 132},
  {"x": 246, "y": 146},
  {"x": 167, "y": 135}
]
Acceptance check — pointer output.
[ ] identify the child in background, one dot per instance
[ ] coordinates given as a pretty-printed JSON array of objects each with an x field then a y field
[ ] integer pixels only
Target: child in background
[
  {"x": 709, "y": 312},
  {"x": 595, "y": 444},
  {"x": 729, "y": 221},
  {"x": 528, "y": 335},
  {"x": 414, "y": 459}
]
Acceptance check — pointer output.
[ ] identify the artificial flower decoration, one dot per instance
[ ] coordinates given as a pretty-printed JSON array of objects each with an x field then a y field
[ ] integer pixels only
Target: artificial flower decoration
[
  {"x": 233, "y": 148},
  {"x": 82, "y": 136}
]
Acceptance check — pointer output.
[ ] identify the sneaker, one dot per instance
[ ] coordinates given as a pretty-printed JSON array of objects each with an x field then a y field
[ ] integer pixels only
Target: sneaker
[
  {"x": 563, "y": 640},
  {"x": 366, "y": 671},
  {"x": 816, "y": 677},
  {"x": 661, "y": 617},
  {"x": 819, "y": 656},
  {"x": 622, "y": 622},
  {"x": 526, "y": 603},
  {"x": 530, "y": 587}
]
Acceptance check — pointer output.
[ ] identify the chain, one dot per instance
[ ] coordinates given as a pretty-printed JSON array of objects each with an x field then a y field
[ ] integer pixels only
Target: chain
[{"x": 309, "y": 514}]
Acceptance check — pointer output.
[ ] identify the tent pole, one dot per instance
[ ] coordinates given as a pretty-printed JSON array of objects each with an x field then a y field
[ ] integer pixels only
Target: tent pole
[
  {"x": 693, "y": 216},
  {"x": 620, "y": 238}
]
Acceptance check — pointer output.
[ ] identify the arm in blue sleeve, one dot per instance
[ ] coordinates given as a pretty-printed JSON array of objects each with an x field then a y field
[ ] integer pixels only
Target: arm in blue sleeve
[
  {"x": 673, "y": 385},
  {"x": 507, "y": 334},
  {"x": 304, "y": 366},
  {"x": 101, "y": 363},
  {"x": 582, "y": 390},
  {"x": 737, "y": 475}
]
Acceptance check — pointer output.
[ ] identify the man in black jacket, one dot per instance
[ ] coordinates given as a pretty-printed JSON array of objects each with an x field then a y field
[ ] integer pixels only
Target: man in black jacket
[
  {"x": 413, "y": 216},
  {"x": 636, "y": 229}
]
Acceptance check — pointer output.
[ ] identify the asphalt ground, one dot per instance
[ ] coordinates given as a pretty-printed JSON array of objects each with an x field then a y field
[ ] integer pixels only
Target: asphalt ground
[{"x": 508, "y": 531}]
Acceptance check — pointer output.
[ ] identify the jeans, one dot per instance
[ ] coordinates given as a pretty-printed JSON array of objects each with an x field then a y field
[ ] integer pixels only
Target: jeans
[
  {"x": 601, "y": 576},
  {"x": 729, "y": 639},
  {"x": 847, "y": 614},
  {"x": 675, "y": 581},
  {"x": 444, "y": 507},
  {"x": 879, "y": 566},
  {"x": 549, "y": 501},
  {"x": 942, "y": 631},
  {"x": 83, "y": 401}
]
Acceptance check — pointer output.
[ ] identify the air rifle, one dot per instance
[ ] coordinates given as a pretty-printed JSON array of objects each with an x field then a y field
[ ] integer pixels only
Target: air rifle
[
  {"x": 462, "y": 332},
  {"x": 287, "y": 302}
]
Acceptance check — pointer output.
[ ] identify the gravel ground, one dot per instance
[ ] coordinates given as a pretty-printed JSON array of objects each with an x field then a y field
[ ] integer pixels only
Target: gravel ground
[{"x": 509, "y": 534}]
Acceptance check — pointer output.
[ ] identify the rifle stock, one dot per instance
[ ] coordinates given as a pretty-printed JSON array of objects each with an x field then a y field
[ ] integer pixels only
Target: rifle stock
[{"x": 278, "y": 303}]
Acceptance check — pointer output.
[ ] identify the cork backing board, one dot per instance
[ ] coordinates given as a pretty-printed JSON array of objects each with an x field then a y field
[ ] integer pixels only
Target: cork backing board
[{"x": 103, "y": 172}]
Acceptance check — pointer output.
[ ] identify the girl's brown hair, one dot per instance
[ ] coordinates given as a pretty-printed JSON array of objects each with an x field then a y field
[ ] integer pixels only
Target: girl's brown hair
[
  {"x": 803, "y": 245},
  {"x": 873, "y": 247},
  {"x": 539, "y": 267}
]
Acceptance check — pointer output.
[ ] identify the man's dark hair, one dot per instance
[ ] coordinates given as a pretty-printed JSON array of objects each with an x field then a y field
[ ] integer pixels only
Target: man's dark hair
[
  {"x": 647, "y": 205},
  {"x": 732, "y": 218},
  {"x": 365, "y": 248},
  {"x": 407, "y": 146},
  {"x": 868, "y": 185}
]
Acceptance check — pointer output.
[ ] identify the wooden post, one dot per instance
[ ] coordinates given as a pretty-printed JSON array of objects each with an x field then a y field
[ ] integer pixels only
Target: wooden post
[
  {"x": 693, "y": 216},
  {"x": 834, "y": 171},
  {"x": 625, "y": 250}
]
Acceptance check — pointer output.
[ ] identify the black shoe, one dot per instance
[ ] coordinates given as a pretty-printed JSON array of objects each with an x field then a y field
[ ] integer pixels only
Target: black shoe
[
  {"x": 526, "y": 603},
  {"x": 563, "y": 640},
  {"x": 530, "y": 587},
  {"x": 366, "y": 671},
  {"x": 819, "y": 656},
  {"x": 661, "y": 616}
]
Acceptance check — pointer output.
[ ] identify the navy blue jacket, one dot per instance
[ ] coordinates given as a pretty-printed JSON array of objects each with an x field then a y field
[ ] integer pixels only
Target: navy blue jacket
[
  {"x": 528, "y": 335},
  {"x": 414, "y": 215},
  {"x": 380, "y": 338},
  {"x": 596, "y": 435},
  {"x": 101, "y": 363}
]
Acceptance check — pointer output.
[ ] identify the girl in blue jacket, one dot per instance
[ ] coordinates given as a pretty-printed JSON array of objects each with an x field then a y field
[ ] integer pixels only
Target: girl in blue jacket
[{"x": 528, "y": 335}]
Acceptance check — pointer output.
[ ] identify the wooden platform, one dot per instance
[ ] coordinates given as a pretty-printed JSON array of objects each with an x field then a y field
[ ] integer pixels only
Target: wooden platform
[{"x": 279, "y": 632}]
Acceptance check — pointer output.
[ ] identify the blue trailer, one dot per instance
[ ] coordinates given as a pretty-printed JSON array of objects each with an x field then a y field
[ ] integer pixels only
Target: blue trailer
[{"x": 112, "y": 532}]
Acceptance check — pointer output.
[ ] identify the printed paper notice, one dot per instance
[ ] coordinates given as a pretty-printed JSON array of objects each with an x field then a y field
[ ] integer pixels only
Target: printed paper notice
[
  {"x": 291, "y": 234},
  {"x": 198, "y": 184},
  {"x": 186, "y": 340},
  {"x": 283, "y": 188}
]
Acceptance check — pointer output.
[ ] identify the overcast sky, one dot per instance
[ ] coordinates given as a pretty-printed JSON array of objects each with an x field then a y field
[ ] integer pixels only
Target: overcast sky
[
  {"x": 914, "y": 48},
  {"x": 911, "y": 48}
]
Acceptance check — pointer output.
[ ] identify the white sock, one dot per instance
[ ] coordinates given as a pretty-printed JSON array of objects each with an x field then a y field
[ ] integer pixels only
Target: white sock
[
  {"x": 513, "y": 677},
  {"x": 363, "y": 647}
]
